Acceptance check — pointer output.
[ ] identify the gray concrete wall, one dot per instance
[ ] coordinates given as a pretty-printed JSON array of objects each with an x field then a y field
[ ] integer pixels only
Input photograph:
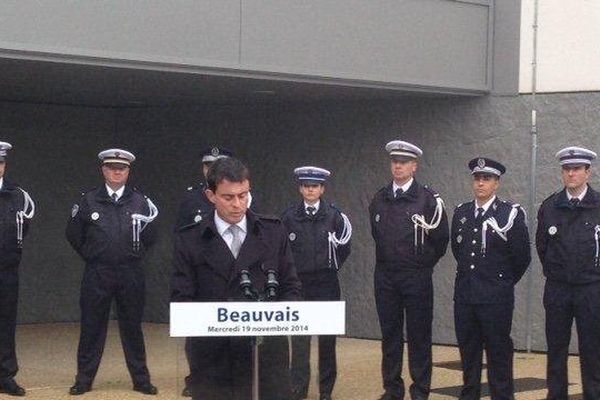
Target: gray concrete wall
[{"x": 55, "y": 150}]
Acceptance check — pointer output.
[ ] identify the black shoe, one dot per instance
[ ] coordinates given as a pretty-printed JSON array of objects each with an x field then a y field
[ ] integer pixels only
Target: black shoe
[
  {"x": 11, "y": 388},
  {"x": 79, "y": 388},
  {"x": 325, "y": 397},
  {"x": 146, "y": 388},
  {"x": 389, "y": 396},
  {"x": 186, "y": 392}
]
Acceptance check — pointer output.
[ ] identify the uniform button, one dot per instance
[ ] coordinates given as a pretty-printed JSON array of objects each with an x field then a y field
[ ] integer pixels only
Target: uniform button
[
  {"x": 475, "y": 230},
  {"x": 474, "y": 241},
  {"x": 472, "y": 267},
  {"x": 472, "y": 254},
  {"x": 500, "y": 275}
]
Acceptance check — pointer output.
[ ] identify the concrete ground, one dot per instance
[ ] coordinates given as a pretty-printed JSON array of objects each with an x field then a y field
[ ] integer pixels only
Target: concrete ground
[{"x": 47, "y": 360}]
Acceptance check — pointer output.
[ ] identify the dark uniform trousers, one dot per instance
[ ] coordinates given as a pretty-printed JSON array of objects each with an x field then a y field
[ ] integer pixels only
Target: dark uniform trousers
[
  {"x": 403, "y": 284},
  {"x": 100, "y": 285},
  {"x": 11, "y": 200},
  {"x": 316, "y": 286},
  {"x": 9, "y": 294},
  {"x": 100, "y": 230},
  {"x": 563, "y": 303},
  {"x": 395, "y": 293},
  {"x": 566, "y": 245},
  {"x": 484, "y": 294}
]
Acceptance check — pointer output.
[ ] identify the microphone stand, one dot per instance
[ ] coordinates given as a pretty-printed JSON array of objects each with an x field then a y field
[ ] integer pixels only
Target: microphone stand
[{"x": 251, "y": 293}]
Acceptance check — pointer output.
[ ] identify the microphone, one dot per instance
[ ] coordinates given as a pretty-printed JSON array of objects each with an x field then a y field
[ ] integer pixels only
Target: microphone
[
  {"x": 246, "y": 284},
  {"x": 272, "y": 284}
]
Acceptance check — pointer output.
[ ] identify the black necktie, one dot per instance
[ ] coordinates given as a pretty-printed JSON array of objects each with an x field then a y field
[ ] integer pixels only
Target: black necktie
[
  {"x": 479, "y": 216},
  {"x": 574, "y": 202},
  {"x": 398, "y": 192},
  {"x": 115, "y": 197},
  {"x": 310, "y": 210}
]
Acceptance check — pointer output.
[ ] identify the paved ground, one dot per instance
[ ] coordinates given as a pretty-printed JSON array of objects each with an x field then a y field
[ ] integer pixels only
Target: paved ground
[{"x": 47, "y": 359}]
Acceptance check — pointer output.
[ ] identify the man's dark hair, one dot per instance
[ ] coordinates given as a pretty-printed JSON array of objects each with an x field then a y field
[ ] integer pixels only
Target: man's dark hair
[{"x": 228, "y": 168}]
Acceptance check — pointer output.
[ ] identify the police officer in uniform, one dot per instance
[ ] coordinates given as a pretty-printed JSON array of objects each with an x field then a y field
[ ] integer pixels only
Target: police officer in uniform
[
  {"x": 211, "y": 258},
  {"x": 410, "y": 229},
  {"x": 568, "y": 242},
  {"x": 320, "y": 238},
  {"x": 110, "y": 228},
  {"x": 490, "y": 242},
  {"x": 16, "y": 208},
  {"x": 194, "y": 207}
]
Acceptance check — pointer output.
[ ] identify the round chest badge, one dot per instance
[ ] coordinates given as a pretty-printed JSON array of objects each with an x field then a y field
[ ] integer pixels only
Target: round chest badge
[
  {"x": 292, "y": 236},
  {"x": 377, "y": 218},
  {"x": 552, "y": 230},
  {"x": 198, "y": 218},
  {"x": 95, "y": 216},
  {"x": 459, "y": 239}
]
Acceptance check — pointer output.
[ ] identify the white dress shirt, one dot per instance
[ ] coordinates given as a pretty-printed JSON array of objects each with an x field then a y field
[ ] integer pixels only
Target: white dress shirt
[
  {"x": 404, "y": 187},
  {"x": 119, "y": 191},
  {"x": 569, "y": 197},
  {"x": 485, "y": 206},
  {"x": 315, "y": 206},
  {"x": 223, "y": 229}
]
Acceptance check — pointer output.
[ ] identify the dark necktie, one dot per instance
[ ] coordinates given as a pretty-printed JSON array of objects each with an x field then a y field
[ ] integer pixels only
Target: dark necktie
[
  {"x": 574, "y": 202},
  {"x": 310, "y": 210},
  {"x": 479, "y": 216},
  {"x": 114, "y": 197},
  {"x": 398, "y": 193}
]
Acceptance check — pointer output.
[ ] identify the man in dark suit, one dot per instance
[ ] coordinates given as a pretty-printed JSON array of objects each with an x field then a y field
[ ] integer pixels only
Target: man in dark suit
[
  {"x": 209, "y": 257},
  {"x": 568, "y": 243},
  {"x": 110, "y": 228},
  {"x": 490, "y": 242},
  {"x": 410, "y": 229},
  {"x": 14, "y": 223}
]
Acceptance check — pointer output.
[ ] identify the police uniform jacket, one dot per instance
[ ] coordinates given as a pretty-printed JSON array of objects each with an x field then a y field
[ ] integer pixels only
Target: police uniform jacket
[
  {"x": 195, "y": 206},
  {"x": 205, "y": 269},
  {"x": 566, "y": 238},
  {"x": 11, "y": 201},
  {"x": 100, "y": 230},
  {"x": 394, "y": 233},
  {"x": 308, "y": 237},
  {"x": 488, "y": 278}
]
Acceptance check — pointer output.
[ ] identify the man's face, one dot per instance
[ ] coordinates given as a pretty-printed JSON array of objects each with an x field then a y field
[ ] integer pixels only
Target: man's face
[
  {"x": 115, "y": 175},
  {"x": 575, "y": 177},
  {"x": 2, "y": 168},
  {"x": 485, "y": 186},
  {"x": 230, "y": 200},
  {"x": 403, "y": 169},
  {"x": 312, "y": 192}
]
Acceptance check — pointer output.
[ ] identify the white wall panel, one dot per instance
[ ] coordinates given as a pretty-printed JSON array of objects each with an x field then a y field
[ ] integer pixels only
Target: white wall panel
[{"x": 568, "y": 46}]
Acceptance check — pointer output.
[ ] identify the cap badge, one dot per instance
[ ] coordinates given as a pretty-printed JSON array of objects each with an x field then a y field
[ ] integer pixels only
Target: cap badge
[
  {"x": 459, "y": 239},
  {"x": 552, "y": 230},
  {"x": 292, "y": 236},
  {"x": 377, "y": 218},
  {"x": 74, "y": 210},
  {"x": 95, "y": 216},
  {"x": 572, "y": 152},
  {"x": 481, "y": 163},
  {"x": 215, "y": 151},
  {"x": 198, "y": 218},
  {"x": 117, "y": 154}
]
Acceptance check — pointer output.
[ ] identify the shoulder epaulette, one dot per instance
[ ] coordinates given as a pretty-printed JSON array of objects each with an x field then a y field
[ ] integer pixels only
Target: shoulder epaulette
[
  {"x": 272, "y": 218},
  {"x": 188, "y": 226},
  {"x": 431, "y": 190},
  {"x": 551, "y": 196},
  {"x": 459, "y": 206}
]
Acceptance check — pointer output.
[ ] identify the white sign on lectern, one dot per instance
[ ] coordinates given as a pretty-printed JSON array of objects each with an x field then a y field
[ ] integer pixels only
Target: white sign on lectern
[{"x": 279, "y": 318}]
